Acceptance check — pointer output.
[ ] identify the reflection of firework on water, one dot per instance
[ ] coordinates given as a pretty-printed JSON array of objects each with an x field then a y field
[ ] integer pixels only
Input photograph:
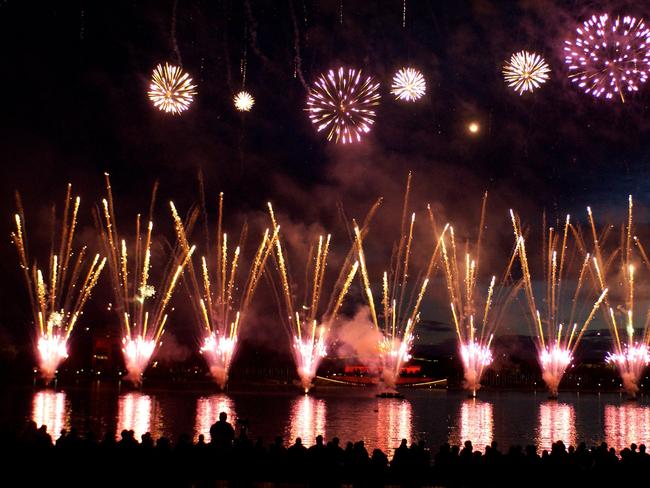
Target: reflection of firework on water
[
  {"x": 140, "y": 309},
  {"x": 474, "y": 333},
  {"x": 609, "y": 57},
  {"x": 220, "y": 298},
  {"x": 57, "y": 297},
  {"x": 408, "y": 85},
  {"x": 525, "y": 71},
  {"x": 556, "y": 343},
  {"x": 171, "y": 90},
  {"x": 400, "y": 302},
  {"x": 342, "y": 102},
  {"x": 307, "y": 327},
  {"x": 52, "y": 409},
  {"x": 244, "y": 101},
  {"x": 630, "y": 352}
]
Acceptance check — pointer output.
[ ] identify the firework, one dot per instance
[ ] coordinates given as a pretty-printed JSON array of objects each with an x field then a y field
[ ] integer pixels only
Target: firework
[
  {"x": 557, "y": 342},
  {"x": 474, "y": 333},
  {"x": 525, "y": 71},
  {"x": 400, "y": 306},
  {"x": 408, "y": 85},
  {"x": 630, "y": 345},
  {"x": 171, "y": 90},
  {"x": 57, "y": 295},
  {"x": 342, "y": 102},
  {"x": 308, "y": 324},
  {"x": 244, "y": 101},
  {"x": 140, "y": 307},
  {"x": 609, "y": 57},
  {"x": 219, "y": 297}
]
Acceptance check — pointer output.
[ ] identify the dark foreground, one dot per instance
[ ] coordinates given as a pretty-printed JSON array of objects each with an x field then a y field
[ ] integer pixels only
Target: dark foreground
[{"x": 31, "y": 458}]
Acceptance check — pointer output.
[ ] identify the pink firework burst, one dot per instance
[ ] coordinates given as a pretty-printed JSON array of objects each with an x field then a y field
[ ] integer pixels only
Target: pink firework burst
[
  {"x": 343, "y": 103},
  {"x": 609, "y": 56}
]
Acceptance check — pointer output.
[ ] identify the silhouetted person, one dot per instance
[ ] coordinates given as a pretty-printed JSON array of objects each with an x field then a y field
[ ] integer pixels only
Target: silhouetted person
[{"x": 221, "y": 433}]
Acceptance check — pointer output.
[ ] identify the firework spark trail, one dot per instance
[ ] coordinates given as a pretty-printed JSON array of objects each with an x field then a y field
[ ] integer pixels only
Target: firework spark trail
[
  {"x": 171, "y": 90},
  {"x": 609, "y": 56},
  {"x": 557, "y": 342},
  {"x": 220, "y": 308},
  {"x": 57, "y": 298},
  {"x": 399, "y": 317},
  {"x": 630, "y": 351},
  {"x": 342, "y": 102},
  {"x": 474, "y": 332},
  {"x": 307, "y": 325},
  {"x": 525, "y": 72},
  {"x": 141, "y": 307}
]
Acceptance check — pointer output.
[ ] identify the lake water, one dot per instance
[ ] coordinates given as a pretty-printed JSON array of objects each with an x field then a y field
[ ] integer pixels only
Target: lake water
[{"x": 435, "y": 416}]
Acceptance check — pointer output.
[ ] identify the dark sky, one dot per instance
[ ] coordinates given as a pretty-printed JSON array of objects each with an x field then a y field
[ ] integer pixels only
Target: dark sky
[{"x": 75, "y": 75}]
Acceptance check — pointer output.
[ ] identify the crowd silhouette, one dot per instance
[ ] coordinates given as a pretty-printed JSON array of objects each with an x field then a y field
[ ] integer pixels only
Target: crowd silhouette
[{"x": 234, "y": 459}]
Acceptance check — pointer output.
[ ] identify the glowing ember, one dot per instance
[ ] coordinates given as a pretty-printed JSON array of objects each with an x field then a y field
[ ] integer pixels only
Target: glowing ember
[
  {"x": 171, "y": 90},
  {"x": 308, "y": 354},
  {"x": 244, "y": 101},
  {"x": 408, "y": 85},
  {"x": 473, "y": 127},
  {"x": 137, "y": 354},
  {"x": 342, "y": 102},
  {"x": 554, "y": 361},
  {"x": 609, "y": 57},
  {"x": 218, "y": 352},
  {"x": 525, "y": 71}
]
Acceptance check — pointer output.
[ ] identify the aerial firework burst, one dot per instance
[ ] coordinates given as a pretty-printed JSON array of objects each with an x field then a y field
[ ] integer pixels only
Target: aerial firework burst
[
  {"x": 408, "y": 85},
  {"x": 474, "y": 333},
  {"x": 400, "y": 303},
  {"x": 57, "y": 297},
  {"x": 244, "y": 101},
  {"x": 630, "y": 349},
  {"x": 220, "y": 298},
  {"x": 558, "y": 332},
  {"x": 609, "y": 57},
  {"x": 171, "y": 90},
  {"x": 307, "y": 325},
  {"x": 342, "y": 102},
  {"x": 525, "y": 71},
  {"x": 141, "y": 307}
]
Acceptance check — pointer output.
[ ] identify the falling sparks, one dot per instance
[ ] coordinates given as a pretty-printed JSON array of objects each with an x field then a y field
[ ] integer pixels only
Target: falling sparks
[
  {"x": 474, "y": 332},
  {"x": 557, "y": 342},
  {"x": 244, "y": 101},
  {"x": 171, "y": 90},
  {"x": 57, "y": 296},
  {"x": 400, "y": 303},
  {"x": 609, "y": 57},
  {"x": 525, "y": 72},
  {"x": 141, "y": 311},
  {"x": 408, "y": 85},
  {"x": 307, "y": 325},
  {"x": 220, "y": 296},
  {"x": 342, "y": 102}
]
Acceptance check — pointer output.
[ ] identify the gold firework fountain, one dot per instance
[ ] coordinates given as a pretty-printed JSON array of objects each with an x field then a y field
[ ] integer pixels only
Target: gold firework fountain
[
  {"x": 557, "y": 327},
  {"x": 140, "y": 306},
  {"x": 219, "y": 294},
  {"x": 57, "y": 295},
  {"x": 630, "y": 346},
  {"x": 400, "y": 302},
  {"x": 308, "y": 324},
  {"x": 476, "y": 318}
]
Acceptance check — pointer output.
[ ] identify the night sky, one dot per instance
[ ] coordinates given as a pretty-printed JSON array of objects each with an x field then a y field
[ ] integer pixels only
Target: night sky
[{"x": 75, "y": 76}]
